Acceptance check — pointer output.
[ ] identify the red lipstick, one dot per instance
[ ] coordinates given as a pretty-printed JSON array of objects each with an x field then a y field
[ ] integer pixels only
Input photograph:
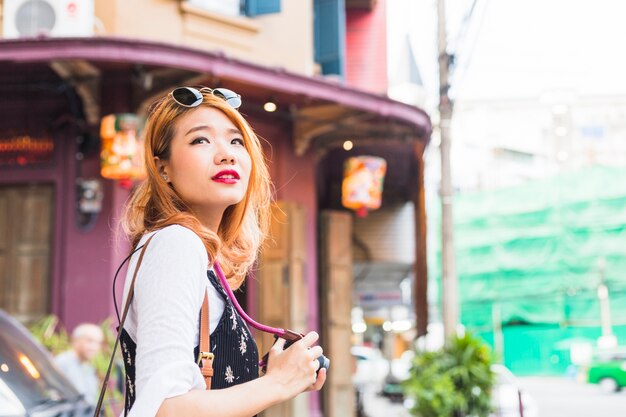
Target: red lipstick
[{"x": 228, "y": 176}]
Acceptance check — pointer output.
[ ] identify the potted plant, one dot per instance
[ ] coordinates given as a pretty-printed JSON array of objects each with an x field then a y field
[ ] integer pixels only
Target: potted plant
[{"x": 454, "y": 381}]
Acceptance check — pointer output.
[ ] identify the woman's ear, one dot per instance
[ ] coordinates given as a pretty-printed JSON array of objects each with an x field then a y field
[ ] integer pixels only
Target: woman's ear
[{"x": 161, "y": 168}]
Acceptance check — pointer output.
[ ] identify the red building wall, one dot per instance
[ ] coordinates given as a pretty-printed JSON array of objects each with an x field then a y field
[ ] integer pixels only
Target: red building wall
[{"x": 366, "y": 48}]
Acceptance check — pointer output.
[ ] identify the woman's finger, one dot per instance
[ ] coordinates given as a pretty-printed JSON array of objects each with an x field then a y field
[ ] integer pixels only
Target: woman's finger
[
  {"x": 309, "y": 339},
  {"x": 315, "y": 352},
  {"x": 319, "y": 382},
  {"x": 279, "y": 345}
]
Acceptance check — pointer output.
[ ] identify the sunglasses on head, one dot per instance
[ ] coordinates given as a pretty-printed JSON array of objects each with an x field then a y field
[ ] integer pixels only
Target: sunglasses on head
[{"x": 192, "y": 97}]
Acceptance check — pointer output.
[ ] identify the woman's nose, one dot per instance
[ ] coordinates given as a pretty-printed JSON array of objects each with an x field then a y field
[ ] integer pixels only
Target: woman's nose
[{"x": 224, "y": 156}]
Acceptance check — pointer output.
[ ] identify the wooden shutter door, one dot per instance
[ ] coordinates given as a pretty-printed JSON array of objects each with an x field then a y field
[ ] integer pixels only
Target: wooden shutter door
[
  {"x": 336, "y": 309},
  {"x": 282, "y": 291},
  {"x": 25, "y": 236}
]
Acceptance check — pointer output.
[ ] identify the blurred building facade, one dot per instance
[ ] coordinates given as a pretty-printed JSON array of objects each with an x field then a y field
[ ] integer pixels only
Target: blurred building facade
[
  {"x": 59, "y": 217},
  {"x": 389, "y": 270},
  {"x": 537, "y": 116},
  {"x": 529, "y": 107}
]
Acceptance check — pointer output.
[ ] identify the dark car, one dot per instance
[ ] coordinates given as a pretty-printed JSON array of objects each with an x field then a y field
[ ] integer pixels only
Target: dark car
[{"x": 30, "y": 384}]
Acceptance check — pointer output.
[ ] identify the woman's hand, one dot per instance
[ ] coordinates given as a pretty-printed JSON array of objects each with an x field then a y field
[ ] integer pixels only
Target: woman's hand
[
  {"x": 294, "y": 369},
  {"x": 289, "y": 372}
]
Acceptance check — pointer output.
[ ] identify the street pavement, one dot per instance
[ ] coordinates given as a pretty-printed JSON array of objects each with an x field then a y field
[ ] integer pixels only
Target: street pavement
[
  {"x": 561, "y": 397},
  {"x": 554, "y": 397}
]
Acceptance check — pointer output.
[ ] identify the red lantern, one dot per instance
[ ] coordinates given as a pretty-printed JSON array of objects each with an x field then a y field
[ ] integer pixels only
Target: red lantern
[{"x": 362, "y": 186}]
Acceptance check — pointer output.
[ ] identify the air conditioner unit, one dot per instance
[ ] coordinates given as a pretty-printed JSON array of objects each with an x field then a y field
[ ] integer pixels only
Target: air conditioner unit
[{"x": 55, "y": 18}]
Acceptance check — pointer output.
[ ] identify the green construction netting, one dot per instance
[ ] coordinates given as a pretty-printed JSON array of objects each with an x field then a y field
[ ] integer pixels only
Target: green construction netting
[
  {"x": 544, "y": 349},
  {"x": 533, "y": 253}
]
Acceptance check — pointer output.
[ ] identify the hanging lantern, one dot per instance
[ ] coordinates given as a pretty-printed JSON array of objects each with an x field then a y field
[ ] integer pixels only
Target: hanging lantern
[
  {"x": 121, "y": 154},
  {"x": 362, "y": 186}
]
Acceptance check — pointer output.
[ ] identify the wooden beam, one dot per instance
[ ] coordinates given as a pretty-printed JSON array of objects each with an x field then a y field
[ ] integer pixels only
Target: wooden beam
[
  {"x": 420, "y": 288},
  {"x": 314, "y": 121},
  {"x": 85, "y": 79}
]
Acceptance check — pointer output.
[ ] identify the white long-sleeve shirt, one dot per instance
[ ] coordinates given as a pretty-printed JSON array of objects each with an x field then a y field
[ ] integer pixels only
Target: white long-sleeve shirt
[{"x": 163, "y": 318}]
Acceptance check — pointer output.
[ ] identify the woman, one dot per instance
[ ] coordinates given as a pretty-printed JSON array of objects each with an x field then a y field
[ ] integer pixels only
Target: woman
[{"x": 206, "y": 197}]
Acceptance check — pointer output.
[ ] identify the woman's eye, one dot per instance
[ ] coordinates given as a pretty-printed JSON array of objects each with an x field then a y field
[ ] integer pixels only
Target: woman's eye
[
  {"x": 199, "y": 140},
  {"x": 237, "y": 141}
]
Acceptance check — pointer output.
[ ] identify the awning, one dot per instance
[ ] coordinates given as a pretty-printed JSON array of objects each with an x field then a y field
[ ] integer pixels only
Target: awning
[{"x": 322, "y": 110}]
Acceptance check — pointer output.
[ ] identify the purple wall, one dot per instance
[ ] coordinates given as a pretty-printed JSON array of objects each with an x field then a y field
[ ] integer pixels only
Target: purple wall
[
  {"x": 294, "y": 180},
  {"x": 84, "y": 262},
  {"x": 81, "y": 262},
  {"x": 91, "y": 258}
]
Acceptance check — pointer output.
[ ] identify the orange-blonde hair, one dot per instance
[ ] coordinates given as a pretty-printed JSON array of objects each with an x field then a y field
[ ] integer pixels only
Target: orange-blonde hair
[{"x": 155, "y": 204}]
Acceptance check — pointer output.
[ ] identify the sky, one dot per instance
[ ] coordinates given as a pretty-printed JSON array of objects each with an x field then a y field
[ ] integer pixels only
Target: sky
[
  {"x": 533, "y": 47},
  {"x": 517, "y": 47},
  {"x": 518, "y": 51},
  {"x": 417, "y": 19}
]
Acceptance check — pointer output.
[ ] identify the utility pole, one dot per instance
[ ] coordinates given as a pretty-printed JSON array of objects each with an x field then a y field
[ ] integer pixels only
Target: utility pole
[
  {"x": 608, "y": 339},
  {"x": 450, "y": 301}
]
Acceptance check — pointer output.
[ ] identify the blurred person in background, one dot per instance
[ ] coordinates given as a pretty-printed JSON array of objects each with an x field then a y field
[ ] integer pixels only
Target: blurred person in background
[{"x": 75, "y": 363}]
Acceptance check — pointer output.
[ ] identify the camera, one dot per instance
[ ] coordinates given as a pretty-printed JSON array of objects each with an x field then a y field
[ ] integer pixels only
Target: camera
[
  {"x": 323, "y": 360},
  {"x": 291, "y": 337}
]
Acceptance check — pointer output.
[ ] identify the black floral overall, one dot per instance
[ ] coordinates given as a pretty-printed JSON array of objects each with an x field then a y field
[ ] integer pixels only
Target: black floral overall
[{"x": 236, "y": 355}]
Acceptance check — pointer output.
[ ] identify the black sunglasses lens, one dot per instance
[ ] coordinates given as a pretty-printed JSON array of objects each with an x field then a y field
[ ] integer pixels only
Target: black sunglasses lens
[
  {"x": 232, "y": 98},
  {"x": 187, "y": 96}
]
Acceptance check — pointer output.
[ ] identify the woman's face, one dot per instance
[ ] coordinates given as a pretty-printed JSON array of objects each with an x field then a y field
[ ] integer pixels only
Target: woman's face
[{"x": 209, "y": 165}]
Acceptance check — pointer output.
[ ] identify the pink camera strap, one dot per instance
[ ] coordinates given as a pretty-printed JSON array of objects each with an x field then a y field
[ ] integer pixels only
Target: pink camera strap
[{"x": 285, "y": 334}]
